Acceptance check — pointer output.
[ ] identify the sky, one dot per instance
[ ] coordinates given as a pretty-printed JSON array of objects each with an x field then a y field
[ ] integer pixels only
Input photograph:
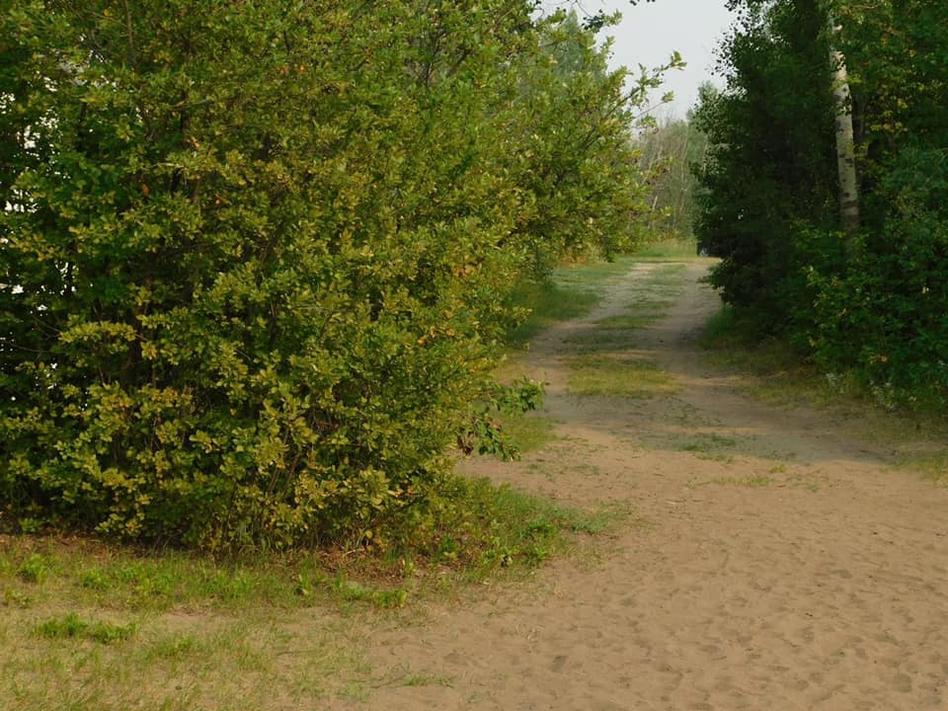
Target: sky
[{"x": 649, "y": 32}]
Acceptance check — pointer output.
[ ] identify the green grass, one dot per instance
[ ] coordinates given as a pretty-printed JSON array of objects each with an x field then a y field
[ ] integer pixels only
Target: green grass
[
  {"x": 611, "y": 376},
  {"x": 668, "y": 249},
  {"x": 529, "y": 432},
  {"x": 592, "y": 276},
  {"x": 571, "y": 292},
  {"x": 94, "y": 626},
  {"x": 71, "y": 626},
  {"x": 471, "y": 529},
  {"x": 730, "y": 340},
  {"x": 426, "y": 680},
  {"x": 198, "y": 661},
  {"x": 548, "y": 303},
  {"x": 781, "y": 375}
]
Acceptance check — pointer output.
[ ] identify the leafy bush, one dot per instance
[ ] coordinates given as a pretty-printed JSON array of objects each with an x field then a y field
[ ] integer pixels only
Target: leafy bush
[
  {"x": 885, "y": 312},
  {"x": 256, "y": 255}
]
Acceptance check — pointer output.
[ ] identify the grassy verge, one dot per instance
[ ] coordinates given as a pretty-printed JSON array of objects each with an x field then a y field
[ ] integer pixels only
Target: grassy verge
[
  {"x": 782, "y": 376},
  {"x": 468, "y": 530},
  {"x": 571, "y": 292},
  {"x": 87, "y": 625}
]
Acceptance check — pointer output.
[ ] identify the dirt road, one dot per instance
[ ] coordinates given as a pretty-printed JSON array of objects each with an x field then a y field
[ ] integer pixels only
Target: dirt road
[{"x": 772, "y": 562}]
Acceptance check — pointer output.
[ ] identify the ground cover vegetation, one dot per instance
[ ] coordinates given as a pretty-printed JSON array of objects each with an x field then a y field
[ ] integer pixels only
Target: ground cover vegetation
[
  {"x": 866, "y": 300},
  {"x": 257, "y": 258}
]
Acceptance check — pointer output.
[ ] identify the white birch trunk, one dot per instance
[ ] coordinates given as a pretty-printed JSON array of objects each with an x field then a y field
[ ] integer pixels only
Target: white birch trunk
[{"x": 845, "y": 145}]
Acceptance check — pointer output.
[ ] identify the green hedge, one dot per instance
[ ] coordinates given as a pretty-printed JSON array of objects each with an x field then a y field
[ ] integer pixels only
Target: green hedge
[{"x": 255, "y": 256}]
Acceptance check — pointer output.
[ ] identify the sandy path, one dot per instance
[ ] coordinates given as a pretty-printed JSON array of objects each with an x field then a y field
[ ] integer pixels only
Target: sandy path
[{"x": 825, "y": 586}]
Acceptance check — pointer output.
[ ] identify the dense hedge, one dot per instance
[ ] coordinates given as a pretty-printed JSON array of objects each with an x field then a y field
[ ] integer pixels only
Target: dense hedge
[
  {"x": 255, "y": 256},
  {"x": 874, "y": 304}
]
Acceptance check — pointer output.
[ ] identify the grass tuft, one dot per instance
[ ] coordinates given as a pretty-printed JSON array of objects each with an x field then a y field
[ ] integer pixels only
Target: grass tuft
[
  {"x": 71, "y": 626},
  {"x": 34, "y": 569}
]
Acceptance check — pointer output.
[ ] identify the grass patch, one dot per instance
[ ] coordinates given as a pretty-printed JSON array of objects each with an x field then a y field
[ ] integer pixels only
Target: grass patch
[
  {"x": 708, "y": 443},
  {"x": 784, "y": 376},
  {"x": 529, "y": 431},
  {"x": 34, "y": 569},
  {"x": 256, "y": 632},
  {"x": 592, "y": 276},
  {"x": 608, "y": 376},
  {"x": 465, "y": 529},
  {"x": 501, "y": 527},
  {"x": 643, "y": 316},
  {"x": 685, "y": 249},
  {"x": 933, "y": 465},
  {"x": 713, "y": 447},
  {"x": 571, "y": 292},
  {"x": 251, "y": 664},
  {"x": 548, "y": 303},
  {"x": 71, "y": 626}
]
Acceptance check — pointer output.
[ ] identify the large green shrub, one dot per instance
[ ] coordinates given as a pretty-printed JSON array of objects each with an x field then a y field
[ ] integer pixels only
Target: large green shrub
[{"x": 255, "y": 255}]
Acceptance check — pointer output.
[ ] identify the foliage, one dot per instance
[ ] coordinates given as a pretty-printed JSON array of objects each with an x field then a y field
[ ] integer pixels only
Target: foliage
[
  {"x": 256, "y": 256},
  {"x": 872, "y": 305},
  {"x": 668, "y": 154}
]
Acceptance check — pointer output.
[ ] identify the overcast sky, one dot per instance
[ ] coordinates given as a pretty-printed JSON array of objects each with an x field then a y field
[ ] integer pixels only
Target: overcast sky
[{"x": 651, "y": 31}]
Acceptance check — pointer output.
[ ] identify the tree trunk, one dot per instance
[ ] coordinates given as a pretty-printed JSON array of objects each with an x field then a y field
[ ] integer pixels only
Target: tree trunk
[{"x": 845, "y": 147}]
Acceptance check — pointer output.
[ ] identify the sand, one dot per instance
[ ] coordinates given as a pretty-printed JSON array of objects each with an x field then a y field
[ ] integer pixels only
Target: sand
[{"x": 772, "y": 561}]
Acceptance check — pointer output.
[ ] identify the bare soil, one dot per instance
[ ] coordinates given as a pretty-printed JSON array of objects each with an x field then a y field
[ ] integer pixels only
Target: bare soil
[{"x": 773, "y": 560}]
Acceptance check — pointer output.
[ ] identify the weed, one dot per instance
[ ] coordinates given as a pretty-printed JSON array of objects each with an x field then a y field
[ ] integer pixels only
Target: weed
[
  {"x": 15, "y": 598},
  {"x": 352, "y": 591},
  {"x": 172, "y": 647}
]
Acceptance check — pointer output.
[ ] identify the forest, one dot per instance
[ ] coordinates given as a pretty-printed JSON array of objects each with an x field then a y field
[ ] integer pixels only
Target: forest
[{"x": 858, "y": 283}]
